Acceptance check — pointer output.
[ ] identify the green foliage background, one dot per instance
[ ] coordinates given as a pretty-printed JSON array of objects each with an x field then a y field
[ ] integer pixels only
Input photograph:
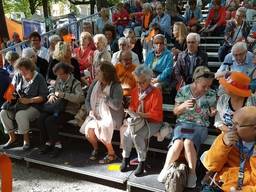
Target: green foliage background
[{"x": 24, "y": 5}]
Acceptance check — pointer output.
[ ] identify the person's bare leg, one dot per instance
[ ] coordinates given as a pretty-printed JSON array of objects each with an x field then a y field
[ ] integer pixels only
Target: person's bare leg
[
  {"x": 173, "y": 153},
  {"x": 26, "y": 138},
  {"x": 190, "y": 155},
  {"x": 91, "y": 137},
  {"x": 12, "y": 137}
]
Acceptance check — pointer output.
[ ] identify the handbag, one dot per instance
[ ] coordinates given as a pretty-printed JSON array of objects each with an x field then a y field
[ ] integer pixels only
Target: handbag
[
  {"x": 135, "y": 124},
  {"x": 14, "y": 106},
  {"x": 177, "y": 177}
]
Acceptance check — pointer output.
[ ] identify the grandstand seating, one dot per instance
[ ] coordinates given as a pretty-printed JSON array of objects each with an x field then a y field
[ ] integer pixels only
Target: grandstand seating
[{"x": 75, "y": 159}]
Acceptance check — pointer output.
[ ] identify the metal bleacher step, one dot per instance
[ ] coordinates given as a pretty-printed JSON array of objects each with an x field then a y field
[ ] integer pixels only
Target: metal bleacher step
[
  {"x": 212, "y": 54},
  {"x": 215, "y": 64},
  {"x": 77, "y": 160}
]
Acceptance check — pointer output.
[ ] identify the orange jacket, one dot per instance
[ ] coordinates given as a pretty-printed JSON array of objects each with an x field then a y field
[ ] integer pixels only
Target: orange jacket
[
  {"x": 152, "y": 104},
  {"x": 225, "y": 160},
  {"x": 126, "y": 77}
]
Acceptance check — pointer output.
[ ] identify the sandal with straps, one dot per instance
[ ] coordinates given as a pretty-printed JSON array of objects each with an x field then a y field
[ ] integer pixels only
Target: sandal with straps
[
  {"x": 108, "y": 159},
  {"x": 94, "y": 155}
]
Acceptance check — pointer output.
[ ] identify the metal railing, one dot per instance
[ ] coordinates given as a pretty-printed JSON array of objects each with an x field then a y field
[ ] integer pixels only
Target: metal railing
[{"x": 75, "y": 28}]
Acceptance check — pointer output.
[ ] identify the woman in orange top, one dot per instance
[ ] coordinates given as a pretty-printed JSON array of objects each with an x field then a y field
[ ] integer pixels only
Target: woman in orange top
[
  {"x": 84, "y": 53},
  {"x": 146, "y": 102},
  {"x": 124, "y": 71}
]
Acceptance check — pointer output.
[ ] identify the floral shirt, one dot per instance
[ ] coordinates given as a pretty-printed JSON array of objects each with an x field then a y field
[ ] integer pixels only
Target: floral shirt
[{"x": 199, "y": 114}]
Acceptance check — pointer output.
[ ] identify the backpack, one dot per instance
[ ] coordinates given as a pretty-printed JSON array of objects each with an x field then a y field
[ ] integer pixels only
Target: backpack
[{"x": 177, "y": 177}]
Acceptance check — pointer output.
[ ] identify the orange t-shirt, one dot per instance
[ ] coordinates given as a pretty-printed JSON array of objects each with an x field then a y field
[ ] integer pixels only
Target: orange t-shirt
[{"x": 126, "y": 77}]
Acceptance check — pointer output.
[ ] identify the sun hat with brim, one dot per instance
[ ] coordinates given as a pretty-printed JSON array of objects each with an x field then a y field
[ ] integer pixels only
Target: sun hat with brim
[{"x": 237, "y": 83}]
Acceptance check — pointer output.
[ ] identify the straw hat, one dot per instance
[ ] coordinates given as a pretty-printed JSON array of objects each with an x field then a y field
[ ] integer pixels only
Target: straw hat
[{"x": 237, "y": 83}]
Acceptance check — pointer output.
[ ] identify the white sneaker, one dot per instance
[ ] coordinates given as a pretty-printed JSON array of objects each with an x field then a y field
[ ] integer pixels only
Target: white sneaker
[
  {"x": 191, "y": 183},
  {"x": 162, "y": 176}
]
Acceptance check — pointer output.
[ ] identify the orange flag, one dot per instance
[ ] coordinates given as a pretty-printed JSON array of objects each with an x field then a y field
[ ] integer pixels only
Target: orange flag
[{"x": 8, "y": 95}]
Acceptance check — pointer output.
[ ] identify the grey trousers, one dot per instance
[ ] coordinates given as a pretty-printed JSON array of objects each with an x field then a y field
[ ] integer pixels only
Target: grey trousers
[
  {"x": 139, "y": 140},
  {"x": 22, "y": 117}
]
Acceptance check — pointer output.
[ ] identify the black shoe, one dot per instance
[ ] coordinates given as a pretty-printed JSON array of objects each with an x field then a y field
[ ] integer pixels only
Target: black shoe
[
  {"x": 45, "y": 149},
  {"x": 140, "y": 169},
  {"x": 26, "y": 147},
  {"x": 10, "y": 145},
  {"x": 125, "y": 164},
  {"x": 56, "y": 151}
]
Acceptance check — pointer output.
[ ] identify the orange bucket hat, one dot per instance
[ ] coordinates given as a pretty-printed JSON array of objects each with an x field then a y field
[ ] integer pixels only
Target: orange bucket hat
[{"x": 237, "y": 83}]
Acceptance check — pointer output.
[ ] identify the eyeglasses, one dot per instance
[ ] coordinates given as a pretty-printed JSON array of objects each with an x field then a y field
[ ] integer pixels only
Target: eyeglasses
[
  {"x": 239, "y": 54},
  {"x": 159, "y": 43}
]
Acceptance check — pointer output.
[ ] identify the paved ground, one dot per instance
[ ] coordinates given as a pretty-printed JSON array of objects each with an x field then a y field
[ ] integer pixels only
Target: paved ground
[{"x": 43, "y": 179}]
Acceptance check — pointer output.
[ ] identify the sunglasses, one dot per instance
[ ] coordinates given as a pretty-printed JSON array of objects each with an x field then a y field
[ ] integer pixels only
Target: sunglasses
[{"x": 206, "y": 75}]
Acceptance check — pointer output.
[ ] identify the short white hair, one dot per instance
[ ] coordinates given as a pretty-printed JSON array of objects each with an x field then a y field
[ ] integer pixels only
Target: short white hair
[
  {"x": 54, "y": 38},
  {"x": 242, "y": 46},
  {"x": 147, "y": 6},
  {"x": 143, "y": 70},
  {"x": 195, "y": 36},
  {"x": 28, "y": 52},
  {"x": 102, "y": 38},
  {"x": 11, "y": 56},
  {"x": 123, "y": 40}
]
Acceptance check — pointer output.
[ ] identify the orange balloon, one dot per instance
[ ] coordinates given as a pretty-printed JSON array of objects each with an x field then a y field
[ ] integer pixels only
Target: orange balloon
[{"x": 67, "y": 38}]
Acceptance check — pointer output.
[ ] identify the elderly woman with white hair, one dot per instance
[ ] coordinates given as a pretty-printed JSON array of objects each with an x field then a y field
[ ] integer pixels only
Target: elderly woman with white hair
[
  {"x": 53, "y": 40},
  {"x": 31, "y": 89},
  {"x": 41, "y": 64},
  {"x": 101, "y": 53},
  {"x": 146, "y": 102},
  {"x": 240, "y": 59},
  {"x": 62, "y": 53},
  {"x": 124, "y": 45},
  {"x": 160, "y": 61},
  {"x": 10, "y": 57}
]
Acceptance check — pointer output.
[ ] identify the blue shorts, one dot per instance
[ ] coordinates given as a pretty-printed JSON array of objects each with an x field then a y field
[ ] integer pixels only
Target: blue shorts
[{"x": 196, "y": 133}]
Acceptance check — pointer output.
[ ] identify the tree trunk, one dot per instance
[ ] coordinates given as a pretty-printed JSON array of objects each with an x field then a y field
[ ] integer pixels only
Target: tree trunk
[
  {"x": 46, "y": 15},
  {"x": 32, "y": 6},
  {"x": 3, "y": 29},
  {"x": 92, "y": 4}
]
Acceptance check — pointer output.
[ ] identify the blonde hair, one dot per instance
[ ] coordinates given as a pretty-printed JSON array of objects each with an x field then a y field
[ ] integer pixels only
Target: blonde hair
[
  {"x": 182, "y": 31},
  {"x": 84, "y": 35},
  {"x": 60, "y": 50}
]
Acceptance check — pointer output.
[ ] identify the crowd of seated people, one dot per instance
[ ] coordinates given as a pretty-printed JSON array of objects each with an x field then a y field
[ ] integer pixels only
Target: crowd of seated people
[{"x": 129, "y": 75}]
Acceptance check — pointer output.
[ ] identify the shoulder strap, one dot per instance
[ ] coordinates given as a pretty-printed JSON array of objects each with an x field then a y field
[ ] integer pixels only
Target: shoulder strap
[{"x": 243, "y": 158}]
